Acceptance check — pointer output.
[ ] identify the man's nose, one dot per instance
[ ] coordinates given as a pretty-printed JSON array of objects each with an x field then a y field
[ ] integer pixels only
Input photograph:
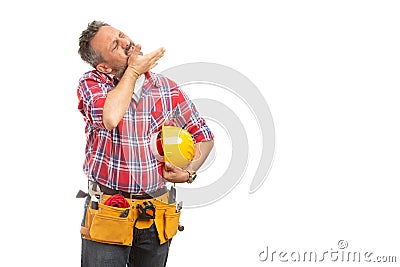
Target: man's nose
[{"x": 123, "y": 42}]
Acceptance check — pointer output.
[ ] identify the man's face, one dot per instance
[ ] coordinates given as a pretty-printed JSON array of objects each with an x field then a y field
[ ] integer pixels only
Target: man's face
[{"x": 115, "y": 47}]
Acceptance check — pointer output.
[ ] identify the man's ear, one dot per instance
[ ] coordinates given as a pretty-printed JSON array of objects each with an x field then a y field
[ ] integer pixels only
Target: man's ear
[{"x": 102, "y": 67}]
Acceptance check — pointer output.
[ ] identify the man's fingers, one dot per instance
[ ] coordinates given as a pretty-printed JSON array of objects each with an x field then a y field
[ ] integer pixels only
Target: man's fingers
[
  {"x": 153, "y": 57},
  {"x": 146, "y": 62},
  {"x": 168, "y": 166},
  {"x": 172, "y": 168},
  {"x": 174, "y": 174},
  {"x": 157, "y": 54},
  {"x": 137, "y": 49}
]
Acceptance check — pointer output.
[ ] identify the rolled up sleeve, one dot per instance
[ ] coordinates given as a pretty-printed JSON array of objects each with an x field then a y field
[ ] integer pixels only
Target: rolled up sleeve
[{"x": 92, "y": 94}]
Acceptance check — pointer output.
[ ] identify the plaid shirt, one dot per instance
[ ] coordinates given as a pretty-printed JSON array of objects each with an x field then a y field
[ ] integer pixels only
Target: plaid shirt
[{"x": 121, "y": 158}]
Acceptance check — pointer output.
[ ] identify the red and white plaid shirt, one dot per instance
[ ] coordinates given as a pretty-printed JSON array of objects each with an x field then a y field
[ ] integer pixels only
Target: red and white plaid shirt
[{"x": 121, "y": 158}]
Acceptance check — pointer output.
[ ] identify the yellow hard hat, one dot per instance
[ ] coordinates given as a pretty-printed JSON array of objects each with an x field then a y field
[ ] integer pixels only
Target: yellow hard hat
[{"x": 177, "y": 146}]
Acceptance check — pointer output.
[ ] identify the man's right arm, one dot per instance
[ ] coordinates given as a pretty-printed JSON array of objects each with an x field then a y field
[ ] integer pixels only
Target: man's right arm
[{"x": 118, "y": 99}]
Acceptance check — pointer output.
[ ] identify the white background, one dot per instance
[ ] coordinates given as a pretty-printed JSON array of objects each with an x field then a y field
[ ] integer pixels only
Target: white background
[{"x": 329, "y": 71}]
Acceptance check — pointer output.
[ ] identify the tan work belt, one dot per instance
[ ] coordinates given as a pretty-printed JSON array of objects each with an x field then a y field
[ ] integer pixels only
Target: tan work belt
[{"x": 107, "y": 225}]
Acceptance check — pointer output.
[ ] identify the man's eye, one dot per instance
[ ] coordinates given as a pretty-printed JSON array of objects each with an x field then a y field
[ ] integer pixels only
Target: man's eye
[{"x": 115, "y": 46}]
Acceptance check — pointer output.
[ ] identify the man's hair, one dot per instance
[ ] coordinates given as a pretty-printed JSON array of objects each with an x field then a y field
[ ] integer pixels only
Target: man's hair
[{"x": 86, "y": 51}]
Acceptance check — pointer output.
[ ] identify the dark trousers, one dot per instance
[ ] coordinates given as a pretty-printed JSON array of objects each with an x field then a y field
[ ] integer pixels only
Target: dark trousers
[{"x": 146, "y": 251}]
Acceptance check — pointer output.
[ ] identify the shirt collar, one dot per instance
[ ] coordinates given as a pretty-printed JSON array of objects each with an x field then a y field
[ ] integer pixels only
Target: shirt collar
[{"x": 137, "y": 91}]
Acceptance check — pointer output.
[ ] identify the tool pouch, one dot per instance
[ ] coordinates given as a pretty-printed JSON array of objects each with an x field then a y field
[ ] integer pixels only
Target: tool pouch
[
  {"x": 113, "y": 225},
  {"x": 167, "y": 221},
  {"x": 109, "y": 225}
]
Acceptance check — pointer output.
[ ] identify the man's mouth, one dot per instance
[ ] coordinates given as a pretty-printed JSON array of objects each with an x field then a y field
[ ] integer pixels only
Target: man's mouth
[{"x": 128, "y": 49}]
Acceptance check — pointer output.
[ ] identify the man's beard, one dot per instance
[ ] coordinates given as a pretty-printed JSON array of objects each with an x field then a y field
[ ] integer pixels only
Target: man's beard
[{"x": 119, "y": 71}]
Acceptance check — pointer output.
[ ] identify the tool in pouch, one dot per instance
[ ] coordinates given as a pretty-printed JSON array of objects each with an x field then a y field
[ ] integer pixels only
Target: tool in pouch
[
  {"x": 146, "y": 210},
  {"x": 178, "y": 209},
  {"x": 171, "y": 200}
]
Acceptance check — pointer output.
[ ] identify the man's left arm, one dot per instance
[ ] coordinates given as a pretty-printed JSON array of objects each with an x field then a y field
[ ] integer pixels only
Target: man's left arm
[
  {"x": 201, "y": 134},
  {"x": 202, "y": 150}
]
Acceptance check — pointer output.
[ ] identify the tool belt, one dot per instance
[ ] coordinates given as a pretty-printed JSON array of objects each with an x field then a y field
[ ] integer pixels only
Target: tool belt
[{"x": 113, "y": 225}]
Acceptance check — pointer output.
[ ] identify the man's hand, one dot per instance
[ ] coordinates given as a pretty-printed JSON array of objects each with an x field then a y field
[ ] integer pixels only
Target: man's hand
[
  {"x": 141, "y": 64},
  {"x": 174, "y": 174},
  {"x": 120, "y": 97}
]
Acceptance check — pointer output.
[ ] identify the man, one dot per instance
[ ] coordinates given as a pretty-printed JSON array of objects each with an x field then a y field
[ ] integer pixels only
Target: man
[{"x": 123, "y": 105}]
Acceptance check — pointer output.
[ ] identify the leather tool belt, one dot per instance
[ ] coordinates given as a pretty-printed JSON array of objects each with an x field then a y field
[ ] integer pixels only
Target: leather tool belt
[{"x": 113, "y": 225}]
